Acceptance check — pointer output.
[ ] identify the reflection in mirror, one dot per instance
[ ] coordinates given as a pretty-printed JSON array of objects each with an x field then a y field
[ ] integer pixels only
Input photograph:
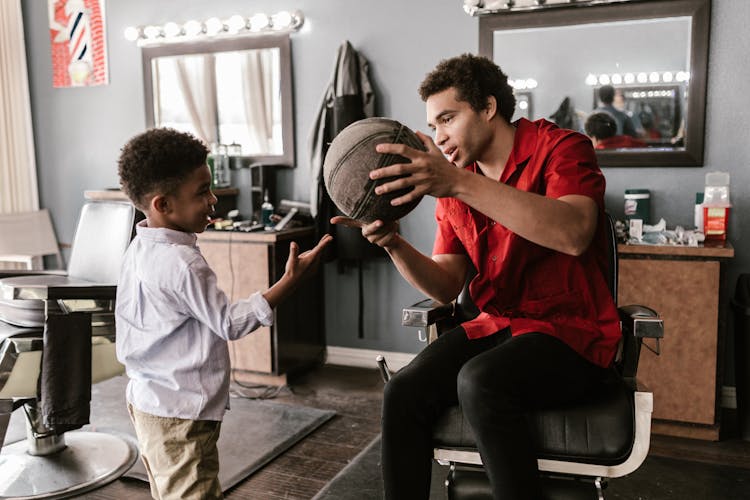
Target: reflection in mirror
[
  {"x": 246, "y": 111},
  {"x": 234, "y": 92},
  {"x": 645, "y": 65}
]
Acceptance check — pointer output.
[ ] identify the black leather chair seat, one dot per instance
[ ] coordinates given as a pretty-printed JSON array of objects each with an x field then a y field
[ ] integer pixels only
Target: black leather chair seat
[{"x": 599, "y": 431}]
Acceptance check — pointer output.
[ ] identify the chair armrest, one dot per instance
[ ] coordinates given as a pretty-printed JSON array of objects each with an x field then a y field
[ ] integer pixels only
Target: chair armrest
[
  {"x": 642, "y": 321},
  {"x": 426, "y": 313},
  {"x": 10, "y": 273},
  {"x": 638, "y": 322}
]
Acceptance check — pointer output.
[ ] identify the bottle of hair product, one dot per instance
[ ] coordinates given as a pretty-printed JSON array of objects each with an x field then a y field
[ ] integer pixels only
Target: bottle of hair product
[
  {"x": 266, "y": 210},
  {"x": 716, "y": 206},
  {"x": 699, "y": 211}
]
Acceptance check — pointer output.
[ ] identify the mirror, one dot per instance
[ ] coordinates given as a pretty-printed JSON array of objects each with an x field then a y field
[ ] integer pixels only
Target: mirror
[
  {"x": 228, "y": 91},
  {"x": 648, "y": 59}
]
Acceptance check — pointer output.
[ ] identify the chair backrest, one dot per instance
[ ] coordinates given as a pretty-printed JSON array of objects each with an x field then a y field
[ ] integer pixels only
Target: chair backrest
[
  {"x": 26, "y": 235},
  {"x": 612, "y": 256},
  {"x": 103, "y": 233}
]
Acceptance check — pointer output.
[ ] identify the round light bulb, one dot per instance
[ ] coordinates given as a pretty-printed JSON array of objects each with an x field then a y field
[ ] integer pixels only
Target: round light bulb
[
  {"x": 531, "y": 83},
  {"x": 591, "y": 79},
  {"x": 193, "y": 28},
  {"x": 604, "y": 79},
  {"x": 642, "y": 77},
  {"x": 235, "y": 23},
  {"x": 172, "y": 30},
  {"x": 629, "y": 78},
  {"x": 132, "y": 33},
  {"x": 214, "y": 26},
  {"x": 523, "y": 105},
  {"x": 616, "y": 79},
  {"x": 282, "y": 20},
  {"x": 259, "y": 22},
  {"x": 653, "y": 77}
]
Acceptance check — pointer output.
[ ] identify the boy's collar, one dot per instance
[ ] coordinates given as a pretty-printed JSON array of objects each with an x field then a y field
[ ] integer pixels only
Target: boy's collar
[{"x": 165, "y": 235}]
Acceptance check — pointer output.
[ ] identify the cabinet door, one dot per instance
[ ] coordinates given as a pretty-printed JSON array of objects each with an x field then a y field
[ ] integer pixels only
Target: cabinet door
[
  {"x": 241, "y": 270},
  {"x": 686, "y": 295},
  {"x": 250, "y": 265}
]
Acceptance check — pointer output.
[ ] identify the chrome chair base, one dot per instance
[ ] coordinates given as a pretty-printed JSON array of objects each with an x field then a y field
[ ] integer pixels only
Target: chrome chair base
[{"x": 90, "y": 460}]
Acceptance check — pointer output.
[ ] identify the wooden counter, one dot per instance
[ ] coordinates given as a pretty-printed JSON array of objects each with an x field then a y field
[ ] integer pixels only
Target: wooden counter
[
  {"x": 248, "y": 262},
  {"x": 683, "y": 284}
]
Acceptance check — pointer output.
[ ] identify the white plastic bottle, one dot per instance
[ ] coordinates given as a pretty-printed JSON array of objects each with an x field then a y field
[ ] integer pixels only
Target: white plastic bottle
[{"x": 266, "y": 210}]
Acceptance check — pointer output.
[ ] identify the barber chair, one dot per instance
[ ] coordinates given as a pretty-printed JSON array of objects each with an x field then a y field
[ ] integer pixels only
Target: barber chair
[
  {"x": 56, "y": 339},
  {"x": 579, "y": 447}
]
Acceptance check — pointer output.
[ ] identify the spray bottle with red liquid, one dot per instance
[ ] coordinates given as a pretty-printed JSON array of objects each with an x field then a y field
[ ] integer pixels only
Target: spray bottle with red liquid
[{"x": 716, "y": 206}]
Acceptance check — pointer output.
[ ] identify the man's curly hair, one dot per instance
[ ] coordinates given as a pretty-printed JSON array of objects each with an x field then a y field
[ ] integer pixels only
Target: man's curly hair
[
  {"x": 158, "y": 161},
  {"x": 475, "y": 78}
]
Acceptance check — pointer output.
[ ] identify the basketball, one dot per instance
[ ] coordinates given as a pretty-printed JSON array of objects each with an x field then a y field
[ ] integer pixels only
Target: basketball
[{"x": 349, "y": 160}]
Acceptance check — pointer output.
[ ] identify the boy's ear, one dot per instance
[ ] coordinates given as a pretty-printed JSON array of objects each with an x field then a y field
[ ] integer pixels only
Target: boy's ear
[{"x": 160, "y": 203}]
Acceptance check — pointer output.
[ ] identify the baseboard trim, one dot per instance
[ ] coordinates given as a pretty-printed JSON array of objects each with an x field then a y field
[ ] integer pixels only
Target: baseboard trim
[{"x": 365, "y": 358}]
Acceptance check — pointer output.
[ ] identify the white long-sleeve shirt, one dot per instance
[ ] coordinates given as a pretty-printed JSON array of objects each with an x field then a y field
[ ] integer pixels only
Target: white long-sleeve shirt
[{"x": 172, "y": 326}]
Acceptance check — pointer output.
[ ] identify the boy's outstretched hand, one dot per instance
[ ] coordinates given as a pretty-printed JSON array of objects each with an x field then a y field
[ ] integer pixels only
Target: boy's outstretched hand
[{"x": 298, "y": 267}]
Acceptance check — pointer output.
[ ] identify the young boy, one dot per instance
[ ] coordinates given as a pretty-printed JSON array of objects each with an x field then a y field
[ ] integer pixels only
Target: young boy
[{"x": 173, "y": 321}]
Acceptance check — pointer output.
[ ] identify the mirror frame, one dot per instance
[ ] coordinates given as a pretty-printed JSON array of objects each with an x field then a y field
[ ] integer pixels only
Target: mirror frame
[
  {"x": 571, "y": 14},
  {"x": 250, "y": 42}
]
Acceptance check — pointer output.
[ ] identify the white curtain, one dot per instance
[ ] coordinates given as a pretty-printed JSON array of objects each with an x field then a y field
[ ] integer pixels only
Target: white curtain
[
  {"x": 257, "y": 82},
  {"x": 195, "y": 76},
  {"x": 18, "y": 182}
]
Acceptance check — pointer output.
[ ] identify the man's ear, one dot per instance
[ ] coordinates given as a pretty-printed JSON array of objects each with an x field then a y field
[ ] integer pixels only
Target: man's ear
[{"x": 491, "y": 109}]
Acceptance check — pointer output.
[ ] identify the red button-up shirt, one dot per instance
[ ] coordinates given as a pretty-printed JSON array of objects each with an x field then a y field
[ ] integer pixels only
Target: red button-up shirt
[{"x": 525, "y": 286}]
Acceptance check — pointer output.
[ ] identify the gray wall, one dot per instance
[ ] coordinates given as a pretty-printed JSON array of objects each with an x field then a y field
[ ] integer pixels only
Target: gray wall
[{"x": 79, "y": 132}]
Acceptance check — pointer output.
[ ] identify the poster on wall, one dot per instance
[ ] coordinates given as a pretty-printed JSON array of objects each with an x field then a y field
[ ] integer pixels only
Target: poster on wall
[{"x": 79, "y": 52}]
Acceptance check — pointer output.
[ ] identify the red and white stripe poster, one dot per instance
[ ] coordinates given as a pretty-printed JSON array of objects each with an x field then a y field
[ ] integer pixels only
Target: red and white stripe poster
[{"x": 79, "y": 52}]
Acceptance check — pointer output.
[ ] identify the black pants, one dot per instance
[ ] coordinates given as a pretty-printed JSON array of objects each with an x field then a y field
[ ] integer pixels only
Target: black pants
[{"x": 497, "y": 379}]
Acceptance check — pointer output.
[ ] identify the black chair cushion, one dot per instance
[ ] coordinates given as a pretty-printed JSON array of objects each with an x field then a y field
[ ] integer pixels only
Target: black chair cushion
[{"x": 600, "y": 431}]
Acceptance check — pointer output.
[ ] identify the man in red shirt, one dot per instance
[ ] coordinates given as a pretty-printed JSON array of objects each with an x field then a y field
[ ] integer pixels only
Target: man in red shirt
[{"x": 523, "y": 203}]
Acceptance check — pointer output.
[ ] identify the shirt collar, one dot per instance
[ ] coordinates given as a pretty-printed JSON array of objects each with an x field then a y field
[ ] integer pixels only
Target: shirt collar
[
  {"x": 524, "y": 145},
  {"x": 164, "y": 235}
]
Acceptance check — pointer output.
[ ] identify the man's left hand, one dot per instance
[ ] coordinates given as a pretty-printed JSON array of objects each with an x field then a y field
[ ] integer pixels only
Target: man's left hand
[{"x": 429, "y": 172}]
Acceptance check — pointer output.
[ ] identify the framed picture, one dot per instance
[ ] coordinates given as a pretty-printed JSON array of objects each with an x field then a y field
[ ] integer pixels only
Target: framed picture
[{"x": 79, "y": 52}]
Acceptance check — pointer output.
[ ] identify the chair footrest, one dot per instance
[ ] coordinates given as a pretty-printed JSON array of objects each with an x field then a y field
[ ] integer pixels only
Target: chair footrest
[{"x": 465, "y": 483}]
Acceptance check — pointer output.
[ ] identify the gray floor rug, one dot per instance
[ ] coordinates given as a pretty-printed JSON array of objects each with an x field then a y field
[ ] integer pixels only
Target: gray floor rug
[
  {"x": 361, "y": 479},
  {"x": 657, "y": 479},
  {"x": 253, "y": 432}
]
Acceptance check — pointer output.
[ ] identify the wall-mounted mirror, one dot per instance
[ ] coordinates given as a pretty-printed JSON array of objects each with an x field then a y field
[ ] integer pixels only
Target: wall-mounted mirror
[
  {"x": 651, "y": 56},
  {"x": 227, "y": 91}
]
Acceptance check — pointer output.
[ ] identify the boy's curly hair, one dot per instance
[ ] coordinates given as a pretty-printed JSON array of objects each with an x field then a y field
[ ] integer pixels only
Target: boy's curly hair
[
  {"x": 475, "y": 78},
  {"x": 158, "y": 161}
]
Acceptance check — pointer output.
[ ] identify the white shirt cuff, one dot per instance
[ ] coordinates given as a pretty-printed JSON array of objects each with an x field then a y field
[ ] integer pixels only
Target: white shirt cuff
[{"x": 262, "y": 309}]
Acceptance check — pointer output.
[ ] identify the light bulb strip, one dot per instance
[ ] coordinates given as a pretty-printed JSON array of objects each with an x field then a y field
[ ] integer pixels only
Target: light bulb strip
[
  {"x": 637, "y": 78},
  {"x": 523, "y": 83},
  {"x": 259, "y": 23}
]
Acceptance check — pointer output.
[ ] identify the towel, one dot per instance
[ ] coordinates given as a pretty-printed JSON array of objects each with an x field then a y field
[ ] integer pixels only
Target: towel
[{"x": 65, "y": 378}]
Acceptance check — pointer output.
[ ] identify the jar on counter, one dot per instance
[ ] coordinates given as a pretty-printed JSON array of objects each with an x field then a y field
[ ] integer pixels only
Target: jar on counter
[{"x": 638, "y": 204}]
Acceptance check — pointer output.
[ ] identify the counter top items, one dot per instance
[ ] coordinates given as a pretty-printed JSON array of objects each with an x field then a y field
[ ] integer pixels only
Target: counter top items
[{"x": 658, "y": 234}]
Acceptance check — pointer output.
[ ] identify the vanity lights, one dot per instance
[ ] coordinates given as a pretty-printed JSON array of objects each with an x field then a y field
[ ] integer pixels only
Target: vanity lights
[
  {"x": 642, "y": 77},
  {"x": 283, "y": 21},
  {"x": 481, "y": 7},
  {"x": 523, "y": 83}
]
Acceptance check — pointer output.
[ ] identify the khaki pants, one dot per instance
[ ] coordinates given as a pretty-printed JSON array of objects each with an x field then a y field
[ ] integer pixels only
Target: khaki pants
[{"x": 180, "y": 455}]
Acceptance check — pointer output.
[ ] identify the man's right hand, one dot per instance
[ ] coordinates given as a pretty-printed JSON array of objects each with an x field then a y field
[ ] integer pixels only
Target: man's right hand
[{"x": 382, "y": 234}]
